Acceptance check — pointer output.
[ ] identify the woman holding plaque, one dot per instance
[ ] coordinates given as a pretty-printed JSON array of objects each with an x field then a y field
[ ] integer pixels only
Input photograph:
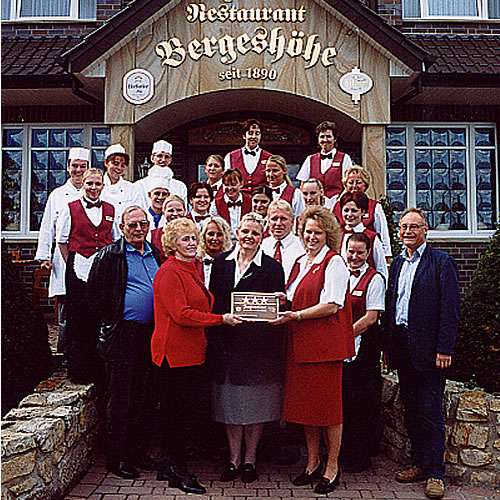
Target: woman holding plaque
[
  {"x": 321, "y": 337},
  {"x": 245, "y": 361},
  {"x": 182, "y": 307}
]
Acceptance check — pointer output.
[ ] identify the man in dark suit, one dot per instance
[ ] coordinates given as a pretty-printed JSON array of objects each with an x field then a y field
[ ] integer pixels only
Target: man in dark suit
[
  {"x": 121, "y": 293},
  {"x": 422, "y": 310}
]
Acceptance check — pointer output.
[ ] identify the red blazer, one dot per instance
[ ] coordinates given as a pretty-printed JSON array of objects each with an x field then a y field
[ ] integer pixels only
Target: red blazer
[
  {"x": 258, "y": 178},
  {"x": 181, "y": 317},
  {"x": 322, "y": 339},
  {"x": 332, "y": 178},
  {"x": 85, "y": 238}
]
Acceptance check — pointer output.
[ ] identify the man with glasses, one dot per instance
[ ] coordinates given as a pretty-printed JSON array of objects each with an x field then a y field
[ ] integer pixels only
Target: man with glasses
[
  {"x": 422, "y": 310},
  {"x": 78, "y": 163},
  {"x": 121, "y": 298}
]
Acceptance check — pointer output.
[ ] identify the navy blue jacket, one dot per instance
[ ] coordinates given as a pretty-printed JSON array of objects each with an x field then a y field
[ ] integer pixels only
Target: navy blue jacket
[{"x": 433, "y": 310}]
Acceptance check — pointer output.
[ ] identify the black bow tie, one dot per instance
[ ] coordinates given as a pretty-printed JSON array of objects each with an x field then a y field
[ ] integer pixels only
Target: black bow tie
[
  {"x": 250, "y": 152},
  {"x": 199, "y": 218},
  {"x": 276, "y": 190},
  {"x": 91, "y": 204},
  {"x": 234, "y": 204},
  {"x": 328, "y": 156},
  {"x": 207, "y": 260},
  {"x": 356, "y": 273}
]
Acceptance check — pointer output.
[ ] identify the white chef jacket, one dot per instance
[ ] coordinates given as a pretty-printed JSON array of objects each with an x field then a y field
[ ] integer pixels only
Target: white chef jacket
[{"x": 121, "y": 195}]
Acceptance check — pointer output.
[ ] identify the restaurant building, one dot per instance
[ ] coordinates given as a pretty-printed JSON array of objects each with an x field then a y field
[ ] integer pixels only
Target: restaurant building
[{"x": 413, "y": 86}]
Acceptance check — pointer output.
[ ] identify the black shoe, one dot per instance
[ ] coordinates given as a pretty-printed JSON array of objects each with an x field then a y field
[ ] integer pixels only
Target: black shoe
[
  {"x": 184, "y": 481},
  {"x": 123, "y": 469},
  {"x": 326, "y": 486},
  {"x": 356, "y": 466},
  {"x": 248, "y": 473},
  {"x": 229, "y": 473},
  {"x": 307, "y": 477}
]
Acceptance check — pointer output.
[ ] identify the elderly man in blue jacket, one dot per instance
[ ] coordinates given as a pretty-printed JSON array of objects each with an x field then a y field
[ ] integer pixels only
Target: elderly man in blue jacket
[{"x": 422, "y": 310}]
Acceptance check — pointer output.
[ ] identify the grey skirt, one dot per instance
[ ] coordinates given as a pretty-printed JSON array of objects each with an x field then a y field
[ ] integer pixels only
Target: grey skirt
[{"x": 246, "y": 404}]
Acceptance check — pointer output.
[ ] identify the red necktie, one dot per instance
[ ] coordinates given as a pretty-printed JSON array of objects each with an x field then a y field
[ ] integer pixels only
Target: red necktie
[{"x": 277, "y": 252}]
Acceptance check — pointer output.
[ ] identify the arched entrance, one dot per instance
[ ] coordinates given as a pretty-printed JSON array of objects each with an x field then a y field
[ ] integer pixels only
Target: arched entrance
[{"x": 211, "y": 123}]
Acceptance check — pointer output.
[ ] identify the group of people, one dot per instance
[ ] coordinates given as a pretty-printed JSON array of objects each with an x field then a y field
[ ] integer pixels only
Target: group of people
[{"x": 144, "y": 273}]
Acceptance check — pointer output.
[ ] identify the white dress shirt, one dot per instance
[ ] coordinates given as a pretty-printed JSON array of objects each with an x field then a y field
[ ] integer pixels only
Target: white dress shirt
[
  {"x": 58, "y": 199},
  {"x": 291, "y": 249},
  {"x": 377, "y": 250},
  {"x": 251, "y": 162},
  {"x": 298, "y": 204},
  {"x": 234, "y": 213},
  {"x": 239, "y": 273},
  {"x": 336, "y": 278}
]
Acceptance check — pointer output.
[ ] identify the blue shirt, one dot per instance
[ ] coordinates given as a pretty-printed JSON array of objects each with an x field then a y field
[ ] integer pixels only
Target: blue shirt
[
  {"x": 156, "y": 217},
  {"x": 138, "y": 305},
  {"x": 405, "y": 282}
]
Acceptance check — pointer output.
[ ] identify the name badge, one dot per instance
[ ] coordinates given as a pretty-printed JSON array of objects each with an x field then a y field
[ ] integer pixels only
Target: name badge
[
  {"x": 263, "y": 162},
  {"x": 357, "y": 293},
  {"x": 108, "y": 218},
  {"x": 336, "y": 164}
]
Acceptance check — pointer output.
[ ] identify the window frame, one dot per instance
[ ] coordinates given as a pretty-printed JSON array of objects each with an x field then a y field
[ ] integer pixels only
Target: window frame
[
  {"x": 482, "y": 9},
  {"x": 24, "y": 233},
  {"x": 473, "y": 232},
  {"x": 15, "y": 14}
]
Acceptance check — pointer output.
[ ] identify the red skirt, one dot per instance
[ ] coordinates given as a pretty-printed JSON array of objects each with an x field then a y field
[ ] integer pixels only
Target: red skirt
[{"x": 313, "y": 393}]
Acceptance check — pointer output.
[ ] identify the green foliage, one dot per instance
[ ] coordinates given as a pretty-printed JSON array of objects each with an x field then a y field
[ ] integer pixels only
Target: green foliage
[
  {"x": 478, "y": 342},
  {"x": 396, "y": 246},
  {"x": 26, "y": 356}
]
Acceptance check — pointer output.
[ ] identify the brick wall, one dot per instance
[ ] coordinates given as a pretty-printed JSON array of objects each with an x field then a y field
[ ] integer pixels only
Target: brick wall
[
  {"x": 466, "y": 254},
  {"x": 105, "y": 10}
]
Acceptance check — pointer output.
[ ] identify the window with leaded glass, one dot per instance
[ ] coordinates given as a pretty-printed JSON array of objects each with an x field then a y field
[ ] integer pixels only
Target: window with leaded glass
[{"x": 449, "y": 171}]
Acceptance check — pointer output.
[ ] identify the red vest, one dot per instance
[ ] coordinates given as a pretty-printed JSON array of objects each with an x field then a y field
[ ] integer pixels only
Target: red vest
[
  {"x": 258, "y": 178},
  {"x": 358, "y": 303},
  {"x": 367, "y": 220},
  {"x": 223, "y": 209},
  {"x": 332, "y": 178},
  {"x": 371, "y": 234},
  {"x": 323, "y": 339},
  {"x": 85, "y": 238},
  {"x": 288, "y": 193}
]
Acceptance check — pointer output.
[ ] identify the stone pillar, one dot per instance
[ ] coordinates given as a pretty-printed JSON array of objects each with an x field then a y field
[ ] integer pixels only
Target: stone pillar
[
  {"x": 125, "y": 135},
  {"x": 373, "y": 158}
]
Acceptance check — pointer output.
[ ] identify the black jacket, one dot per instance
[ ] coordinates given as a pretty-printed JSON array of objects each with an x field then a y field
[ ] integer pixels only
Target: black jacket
[{"x": 106, "y": 291}]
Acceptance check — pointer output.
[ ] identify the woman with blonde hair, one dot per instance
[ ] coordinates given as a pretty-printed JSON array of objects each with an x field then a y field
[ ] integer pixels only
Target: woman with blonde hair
[
  {"x": 278, "y": 180},
  {"x": 245, "y": 362},
  {"x": 321, "y": 337},
  {"x": 182, "y": 307}
]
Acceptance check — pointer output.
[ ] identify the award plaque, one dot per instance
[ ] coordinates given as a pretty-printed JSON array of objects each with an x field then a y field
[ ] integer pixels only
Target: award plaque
[{"x": 254, "y": 306}]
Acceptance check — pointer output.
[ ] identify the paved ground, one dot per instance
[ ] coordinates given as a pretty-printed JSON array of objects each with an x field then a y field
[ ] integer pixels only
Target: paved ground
[{"x": 273, "y": 483}]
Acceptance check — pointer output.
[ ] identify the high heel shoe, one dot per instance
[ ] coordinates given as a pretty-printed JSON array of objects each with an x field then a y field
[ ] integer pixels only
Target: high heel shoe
[
  {"x": 326, "y": 486},
  {"x": 307, "y": 477}
]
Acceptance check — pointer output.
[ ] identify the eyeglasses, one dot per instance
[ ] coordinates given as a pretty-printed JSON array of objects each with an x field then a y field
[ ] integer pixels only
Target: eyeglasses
[
  {"x": 142, "y": 223},
  {"x": 411, "y": 227}
]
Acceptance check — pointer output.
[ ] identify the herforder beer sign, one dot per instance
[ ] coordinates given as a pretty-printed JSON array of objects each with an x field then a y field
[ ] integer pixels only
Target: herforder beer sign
[{"x": 138, "y": 86}]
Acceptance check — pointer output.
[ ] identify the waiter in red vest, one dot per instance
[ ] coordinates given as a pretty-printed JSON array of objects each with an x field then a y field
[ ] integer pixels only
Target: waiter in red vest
[
  {"x": 329, "y": 165},
  {"x": 250, "y": 160}
]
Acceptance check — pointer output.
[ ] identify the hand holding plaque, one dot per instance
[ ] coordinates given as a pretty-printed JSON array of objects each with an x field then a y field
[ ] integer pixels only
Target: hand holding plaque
[{"x": 255, "y": 306}]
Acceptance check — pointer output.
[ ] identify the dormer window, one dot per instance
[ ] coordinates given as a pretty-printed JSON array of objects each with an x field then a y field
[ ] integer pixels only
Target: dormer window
[
  {"x": 48, "y": 10},
  {"x": 459, "y": 10}
]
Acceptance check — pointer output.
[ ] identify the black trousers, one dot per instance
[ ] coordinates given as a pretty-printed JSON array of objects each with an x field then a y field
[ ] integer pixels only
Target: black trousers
[
  {"x": 84, "y": 364},
  {"x": 129, "y": 393},
  {"x": 178, "y": 389},
  {"x": 361, "y": 392}
]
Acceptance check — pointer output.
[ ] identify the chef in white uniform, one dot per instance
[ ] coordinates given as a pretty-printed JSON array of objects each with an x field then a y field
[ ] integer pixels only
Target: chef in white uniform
[
  {"x": 78, "y": 163},
  {"x": 161, "y": 157}
]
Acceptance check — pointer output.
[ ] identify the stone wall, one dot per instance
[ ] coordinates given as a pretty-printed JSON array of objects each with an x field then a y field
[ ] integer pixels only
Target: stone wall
[
  {"x": 49, "y": 440},
  {"x": 472, "y": 420}
]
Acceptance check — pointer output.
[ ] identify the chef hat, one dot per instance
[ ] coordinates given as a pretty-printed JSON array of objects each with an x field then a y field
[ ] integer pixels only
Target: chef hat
[
  {"x": 79, "y": 154},
  {"x": 155, "y": 182},
  {"x": 162, "y": 147},
  {"x": 115, "y": 149}
]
